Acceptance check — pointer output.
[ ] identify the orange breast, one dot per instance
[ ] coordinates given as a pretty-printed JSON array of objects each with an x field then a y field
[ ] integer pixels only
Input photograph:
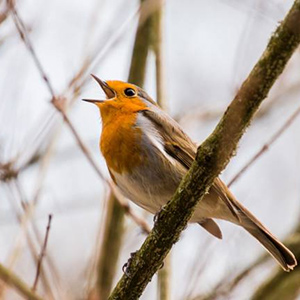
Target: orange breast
[{"x": 121, "y": 143}]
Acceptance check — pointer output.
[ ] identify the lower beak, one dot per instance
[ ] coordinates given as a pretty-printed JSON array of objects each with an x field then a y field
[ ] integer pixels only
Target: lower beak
[{"x": 93, "y": 101}]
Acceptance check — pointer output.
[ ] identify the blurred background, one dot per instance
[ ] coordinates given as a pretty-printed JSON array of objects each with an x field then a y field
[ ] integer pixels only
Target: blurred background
[{"x": 198, "y": 54}]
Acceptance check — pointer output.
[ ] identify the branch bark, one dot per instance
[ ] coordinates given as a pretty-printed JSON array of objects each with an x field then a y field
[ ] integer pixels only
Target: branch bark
[{"x": 212, "y": 157}]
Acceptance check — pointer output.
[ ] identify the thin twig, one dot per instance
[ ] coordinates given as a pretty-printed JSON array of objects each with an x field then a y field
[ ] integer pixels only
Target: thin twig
[
  {"x": 145, "y": 10},
  {"x": 225, "y": 287},
  {"x": 207, "y": 114},
  {"x": 43, "y": 253},
  {"x": 266, "y": 146},
  {"x": 24, "y": 36},
  {"x": 28, "y": 209},
  {"x": 14, "y": 281}
]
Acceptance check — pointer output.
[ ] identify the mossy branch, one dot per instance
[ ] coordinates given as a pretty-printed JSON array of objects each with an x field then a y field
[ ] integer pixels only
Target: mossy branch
[{"x": 212, "y": 157}]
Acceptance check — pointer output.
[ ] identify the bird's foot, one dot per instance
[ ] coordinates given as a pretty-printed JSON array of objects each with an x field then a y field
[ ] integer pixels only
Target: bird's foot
[{"x": 126, "y": 266}]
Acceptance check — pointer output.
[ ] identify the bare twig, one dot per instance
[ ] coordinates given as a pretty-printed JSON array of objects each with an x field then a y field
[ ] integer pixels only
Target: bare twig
[
  {"x": 24, "y": 36},
  {"x": 145, "y": 10},
  {"x": 3, "y": 15},
  {"x": 265, "y": 147},
  {"x": 227, "y": 285},
  {"x": 208, "y": 114},
  {"x": 43, "y": 253},
  {"x": 28, "y": 209},
  {"x": 12, "y": 280}
]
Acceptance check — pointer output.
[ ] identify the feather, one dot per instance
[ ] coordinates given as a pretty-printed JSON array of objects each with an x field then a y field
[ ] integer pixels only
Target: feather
[
  {"x": 179, "y": 146},
  {"x": 212, "y": 227}
]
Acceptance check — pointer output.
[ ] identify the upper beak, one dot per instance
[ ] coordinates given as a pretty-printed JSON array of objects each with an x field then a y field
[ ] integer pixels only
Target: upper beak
[{"x": 107, "y": 90}]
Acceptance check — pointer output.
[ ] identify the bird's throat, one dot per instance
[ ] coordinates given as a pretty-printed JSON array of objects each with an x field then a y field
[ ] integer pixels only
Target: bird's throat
[{"x": 121, "y": 143}]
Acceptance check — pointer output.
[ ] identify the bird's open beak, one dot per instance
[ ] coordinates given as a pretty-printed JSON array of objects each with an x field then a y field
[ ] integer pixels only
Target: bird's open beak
[{"x": 106, "y": 89}]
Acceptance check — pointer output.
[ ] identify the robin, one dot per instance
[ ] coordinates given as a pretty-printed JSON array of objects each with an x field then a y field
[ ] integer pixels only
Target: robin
[{"x": 147, "y": 155}]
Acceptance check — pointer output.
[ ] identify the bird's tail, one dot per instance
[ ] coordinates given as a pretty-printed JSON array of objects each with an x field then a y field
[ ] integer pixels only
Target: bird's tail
[{"x": 281, "y": 253}]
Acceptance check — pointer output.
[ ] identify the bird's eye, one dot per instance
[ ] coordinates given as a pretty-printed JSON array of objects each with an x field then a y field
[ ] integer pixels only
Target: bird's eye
[{"x": 129, "y": 92}]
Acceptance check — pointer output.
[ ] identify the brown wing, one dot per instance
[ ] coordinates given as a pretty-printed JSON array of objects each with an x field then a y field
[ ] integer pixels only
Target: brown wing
[{"x": 178, "y": 145}]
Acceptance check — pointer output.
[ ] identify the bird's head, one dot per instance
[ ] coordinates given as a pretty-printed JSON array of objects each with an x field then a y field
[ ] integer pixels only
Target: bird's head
[{"x": 121, "y": 97}]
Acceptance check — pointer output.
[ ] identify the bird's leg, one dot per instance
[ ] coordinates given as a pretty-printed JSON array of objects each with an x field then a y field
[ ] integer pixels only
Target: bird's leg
[{"x": 126, "y": 266}]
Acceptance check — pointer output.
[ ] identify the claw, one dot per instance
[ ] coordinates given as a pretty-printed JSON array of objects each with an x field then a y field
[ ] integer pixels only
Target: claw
[
  {"x": 126, "y": 266},
  {"x": 161, "y": 266}
]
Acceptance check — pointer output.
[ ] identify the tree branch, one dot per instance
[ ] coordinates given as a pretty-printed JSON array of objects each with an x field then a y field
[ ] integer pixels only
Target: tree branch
[
  {"x": 43, "y": 253},
  {"x": 212, "y": 157}
]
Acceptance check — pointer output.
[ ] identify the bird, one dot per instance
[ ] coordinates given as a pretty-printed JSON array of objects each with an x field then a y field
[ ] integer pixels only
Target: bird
[{"x": 147, "y": 154}]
